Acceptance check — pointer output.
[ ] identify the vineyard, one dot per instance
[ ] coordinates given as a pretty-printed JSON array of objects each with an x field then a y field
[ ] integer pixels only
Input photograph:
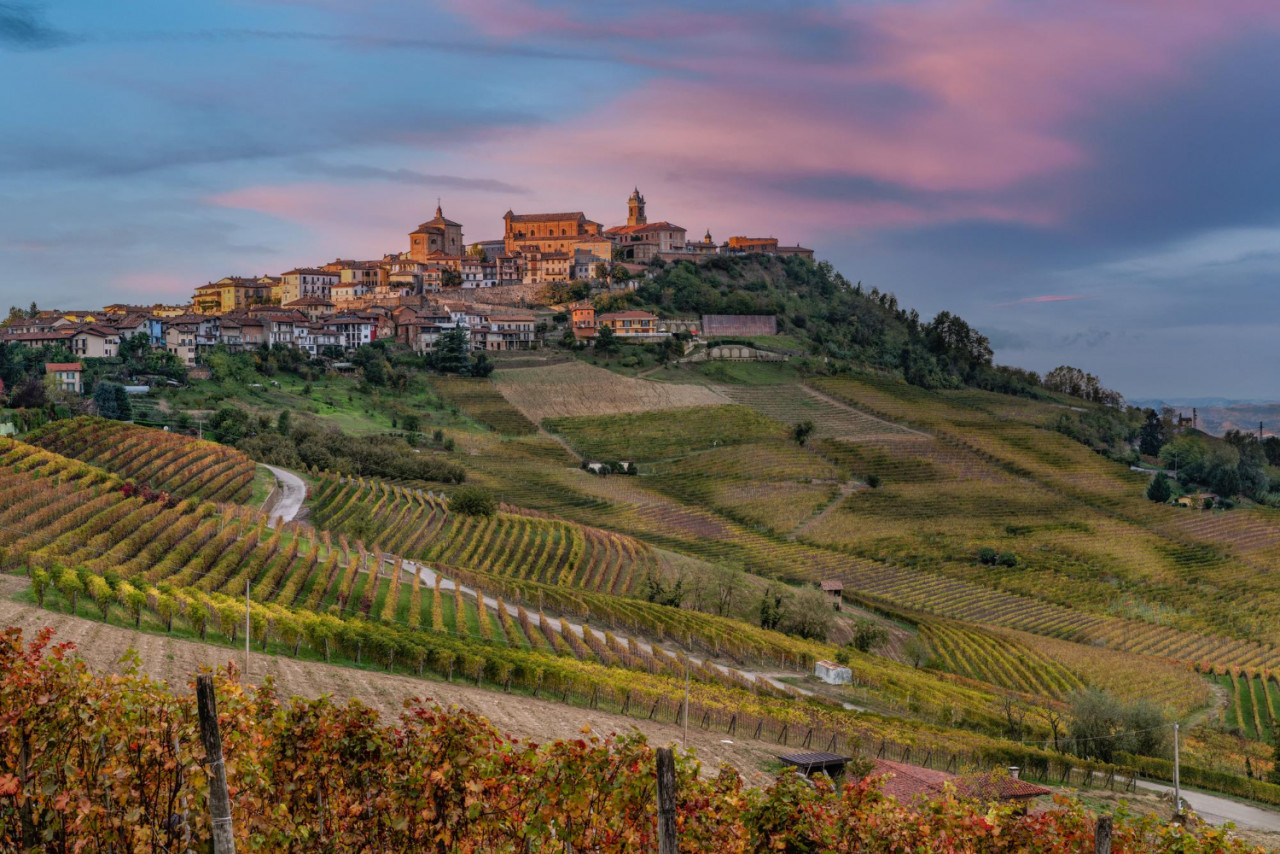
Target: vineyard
[
  {"x": 1252, "y": 703},
  {"x": 417, "y": 524},
  {"x": 1000, "y": 661},
  {"x": 657, "y": 434},
  {"x": 145, "y": 564},
  {"x": 168, "y": 462},
  {"x": 318, "y": 775},
  {"x": 479, "y": 399}
]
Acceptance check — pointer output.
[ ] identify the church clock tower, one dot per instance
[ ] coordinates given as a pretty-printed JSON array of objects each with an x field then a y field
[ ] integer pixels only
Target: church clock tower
[{"x": 635, "y": 208}]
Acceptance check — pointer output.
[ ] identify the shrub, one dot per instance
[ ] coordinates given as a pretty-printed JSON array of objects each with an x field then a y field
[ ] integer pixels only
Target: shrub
[
  {"x": 867, "y": 635},
  {"x": 873, "y": 481},
  {"x": 1007, "y": 559},
  {"x": 473, "y": 501},
  {"x": 987, "y": 556}
]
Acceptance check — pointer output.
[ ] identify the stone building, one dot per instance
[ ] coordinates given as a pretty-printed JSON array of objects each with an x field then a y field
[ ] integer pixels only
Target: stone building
[
  {"x": 640, "y": 240},
  {"x": 550, "y": 232},
  {"x": 436, "y": 235}
]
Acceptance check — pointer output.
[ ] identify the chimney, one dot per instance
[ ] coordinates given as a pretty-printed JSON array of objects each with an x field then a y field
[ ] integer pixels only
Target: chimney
[{"x": 1014, "y": 770}]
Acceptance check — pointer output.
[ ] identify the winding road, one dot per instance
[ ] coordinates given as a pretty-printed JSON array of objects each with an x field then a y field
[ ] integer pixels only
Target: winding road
[
  {"x": 293, "y": 493},
  {"x": 1219, "y": 810}
]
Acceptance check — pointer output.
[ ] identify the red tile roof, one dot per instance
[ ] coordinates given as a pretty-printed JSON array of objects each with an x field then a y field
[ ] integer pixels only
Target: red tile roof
[
  {"x": 908, "y": 783},
  {"x": 62, "y": 366}
]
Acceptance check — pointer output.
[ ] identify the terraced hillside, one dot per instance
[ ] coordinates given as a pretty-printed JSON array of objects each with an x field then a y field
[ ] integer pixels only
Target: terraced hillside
[
  {"x": 165, "y": 461},
  {"x": 418, "y": 524},
  {"x": 126, "y": 559},
  {"x": 793, "y": 403}
]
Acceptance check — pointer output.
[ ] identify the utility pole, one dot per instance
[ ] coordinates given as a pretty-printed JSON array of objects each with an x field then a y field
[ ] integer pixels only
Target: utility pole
[
  {"x": 224, "y": 841},
  {"x": 1177, "y": 776},
  {"x": 686, "y": 707},
  {"x": 246, "y": 630}
]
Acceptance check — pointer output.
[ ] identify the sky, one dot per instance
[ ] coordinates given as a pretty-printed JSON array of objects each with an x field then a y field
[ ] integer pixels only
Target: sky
[{"x": 1089, "y": 182}]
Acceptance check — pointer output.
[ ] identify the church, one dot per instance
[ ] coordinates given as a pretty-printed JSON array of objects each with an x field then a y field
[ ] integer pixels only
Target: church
[
  {"x": 640, "y": 240},
  {"x": 436, "y": 235}
]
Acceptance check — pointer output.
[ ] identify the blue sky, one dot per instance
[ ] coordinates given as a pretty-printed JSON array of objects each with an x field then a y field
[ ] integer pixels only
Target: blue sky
[{"x": 1089, "y": 182}]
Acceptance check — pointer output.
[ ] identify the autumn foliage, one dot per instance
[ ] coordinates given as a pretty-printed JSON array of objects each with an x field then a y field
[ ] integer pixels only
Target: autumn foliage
[{"x": 115, "y": 763}]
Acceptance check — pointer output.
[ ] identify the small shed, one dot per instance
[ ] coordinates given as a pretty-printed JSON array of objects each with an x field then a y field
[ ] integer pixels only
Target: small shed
[
  {"x": 811, "y": 763},
  {"x": 834, "y": 589},
  {"x": 832, "y": 673}
]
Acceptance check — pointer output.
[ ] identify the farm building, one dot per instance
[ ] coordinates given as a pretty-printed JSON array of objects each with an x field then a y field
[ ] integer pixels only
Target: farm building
[
  {"x": 834, "y": 589},
  {"x": 813, "y": 763},
  {"x": 740, "y": 325},
  {"x": 832, "y": 673},
  {"x": 909, "y": 784}
]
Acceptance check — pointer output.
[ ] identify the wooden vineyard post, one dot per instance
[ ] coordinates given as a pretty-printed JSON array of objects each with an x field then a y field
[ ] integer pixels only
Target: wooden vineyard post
[
  {"x": 219, "y": 802},
  {"x": 1102, "y": 836},
  {"x": 666, "y": 801}
]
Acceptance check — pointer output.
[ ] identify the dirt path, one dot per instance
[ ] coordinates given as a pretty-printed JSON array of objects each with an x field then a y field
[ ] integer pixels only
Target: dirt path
[
  {"x": 840, "y": 404},
  {"x": 428, "y": 576},
  {"x": 175, "y": 661},
  {"x": 846, "y": 489}
]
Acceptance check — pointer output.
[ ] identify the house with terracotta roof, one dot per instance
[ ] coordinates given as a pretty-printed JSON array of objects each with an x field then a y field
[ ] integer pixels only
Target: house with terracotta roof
[
  {"x": 95, "y": 341},
  {"x": 629, "y": 323},
  {"x": 230, "y": 293},
  {"x": 65, "y": 376},
  {"x": 314, "y": 308}
]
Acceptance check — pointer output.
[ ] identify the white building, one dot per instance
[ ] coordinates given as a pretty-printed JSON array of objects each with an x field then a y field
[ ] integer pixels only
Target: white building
[{"x": 832, "y": 673}]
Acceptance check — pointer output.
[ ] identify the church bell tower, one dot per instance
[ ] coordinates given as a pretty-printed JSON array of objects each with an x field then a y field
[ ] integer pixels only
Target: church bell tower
[{"x": 635, "y": 208}]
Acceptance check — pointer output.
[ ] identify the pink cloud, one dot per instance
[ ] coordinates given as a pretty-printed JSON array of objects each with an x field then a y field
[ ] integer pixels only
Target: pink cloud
[
  {"x": 986, "y": 98},
  {"x": 1047, "y": 298}
]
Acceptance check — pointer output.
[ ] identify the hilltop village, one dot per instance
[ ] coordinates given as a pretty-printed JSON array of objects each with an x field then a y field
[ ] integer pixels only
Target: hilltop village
[{"x": 439, "y": 283}]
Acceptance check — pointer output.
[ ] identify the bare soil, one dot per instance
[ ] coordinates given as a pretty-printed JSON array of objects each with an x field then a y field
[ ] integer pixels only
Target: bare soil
[
  {"x": 576, "y": 388},
  {"x": 177, "y": 661}
]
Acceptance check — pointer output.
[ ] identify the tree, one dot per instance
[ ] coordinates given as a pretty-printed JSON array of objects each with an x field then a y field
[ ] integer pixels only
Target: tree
[
  {"x": 481, "y": 365},
  {"x": 770, "y": 608},
  {"x": 1159, "y": 489},
  {"x": 1273, "y": 776},
  {"x": 112, "y": 401},
  {"x": 282, "y": 422},
  {"x": 473, "y": 501},
  {"x": 808, "y": 614},
  {"x": 868, "y": 634},
  {"x": 606, "y": 341},
  {"x": 1101, "y": 726},
  {"x": 917, "y": 651},
  {"x": 660, "y": 593},
  {"x": 801, "y": 430},
  {"x": 453, "y": 351},
  {"x": 229, "y": 425},
  {"x": 727, "y": 583},
  {"x": 450, "y": 278},
  {"x": 1153, "y": 433}
]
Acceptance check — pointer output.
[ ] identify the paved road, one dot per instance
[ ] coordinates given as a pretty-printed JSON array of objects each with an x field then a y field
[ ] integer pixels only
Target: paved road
[
  {"x": 428, "y": 576},
  {"x": 294, "y": 493},
  {"x": 1218, "y": 810}
]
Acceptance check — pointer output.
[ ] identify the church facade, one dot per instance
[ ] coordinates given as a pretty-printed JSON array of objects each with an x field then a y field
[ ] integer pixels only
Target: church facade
[
  {"x": 438, "y": 235},
  {"x": 640, "y": 240}
]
